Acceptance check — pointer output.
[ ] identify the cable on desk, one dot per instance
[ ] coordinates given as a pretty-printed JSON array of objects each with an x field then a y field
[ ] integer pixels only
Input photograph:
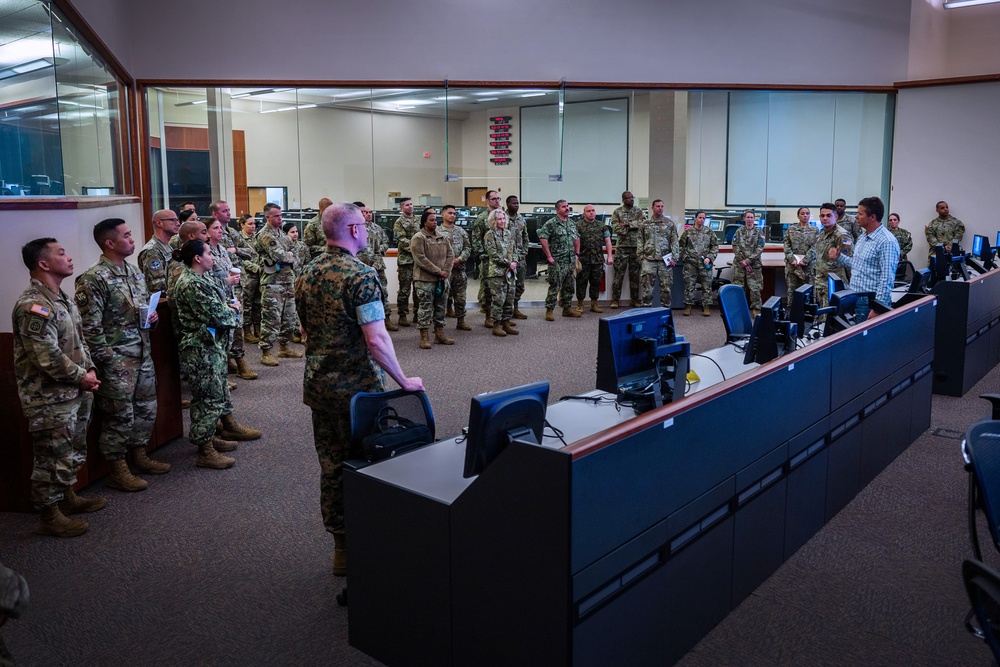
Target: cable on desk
[
  {"x": 713, "y": 361},
  {"x": 556, "y": 432},
  {"x": 593, "y": 399}
]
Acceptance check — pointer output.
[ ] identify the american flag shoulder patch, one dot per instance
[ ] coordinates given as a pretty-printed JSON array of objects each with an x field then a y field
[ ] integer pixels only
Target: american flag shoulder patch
[{"x": 39, "y": 309}]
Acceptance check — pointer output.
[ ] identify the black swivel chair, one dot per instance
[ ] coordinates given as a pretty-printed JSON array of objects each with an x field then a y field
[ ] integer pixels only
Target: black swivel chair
[
  {"x": 731, "y": 232},
  {"x": 983, "y": 586},
  {"x": 904, "y": 274},
  {"x": 735, "y": 313}
]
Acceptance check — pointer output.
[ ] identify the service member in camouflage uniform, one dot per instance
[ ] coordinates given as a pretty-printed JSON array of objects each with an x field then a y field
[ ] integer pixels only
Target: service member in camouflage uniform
[
  {"x": 373, "y": 256},
  {"x": 518, "y": 227},
  {"x": 595, "y": 245},
  {"x": 112, "y": 299},
  {"x": 626, "y": 221},
  {"x": 561, "y": 247},
  {"x": 943, "y": 230},
  {"x": 246, "y": 247},
  {"x": 499, "y": 268},
  {"x": 461, "y": 246},
  {"x": 404, "y": 228},
  {"x": 903, "y": 237},
  {"x": 800, "y": 254},
  {"x": 224, "y": 247},
  {"x": 348, "y": 351},
  {"x": 312, "y": 232},
  {"x": 831, "y": 236},
  {"x": 748, "y": 245},
  {"x": 432, "y": 261},
  {"x": 479, "y": 229},
  {"x": 277, "y": 304},
  {"x": 699, "y": 248},
  {"x": 207, "y": 316},
  {"x": 155, "y": 255},
  {"x": 657, "y": 239},
  {"x": 848, "y": 223},
  {"x": 55, "y": 378},
  {"x": 302, "y": 257}
]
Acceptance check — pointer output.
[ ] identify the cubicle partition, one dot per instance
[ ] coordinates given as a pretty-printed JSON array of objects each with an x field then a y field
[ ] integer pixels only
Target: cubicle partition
[
  {"x": 967, "y": 335},
  {"x": 632, "y": 542}
]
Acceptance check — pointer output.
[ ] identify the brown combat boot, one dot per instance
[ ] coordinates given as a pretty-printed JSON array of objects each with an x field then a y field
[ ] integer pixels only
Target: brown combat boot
[
  {"x": 123, "y": 479},
  {"x": 52, "y": 522},
  {"x": 594, "y": 308},
  {"x": 209, "y": 458},
  {"x": 571, "y": 312},
  {"x": 139, "y": 459},
  {"x": 243, "y": 370},
  {"x": 233, "y": 430},
  {"x": 249, "y": 336},
  {"x": 231, "y": 366},
  {"x": 498, "y": 329},
  {"x": 706, "y": 311},
  {"x": 579, "y": 305},
  {"x": 285, "y": 352},
  {"x": 517, "y": 312},
  {"x": 439, "y": 337},
  {"x": 74, "y": 504},
  {"x": 390, "y": 325},
  {"x": 231, "y": 385},
  {"x": 489, "y": 322},
  {"x": 687, "y": 310},
  {"x": 221, "y": 445},
  {"x": 614, "y": 303},
  {"x": 297, "y": 338},
  {"x": 425, "y": 340},
  {"x": 510, "y": 330},
  {"x": 340, "y": 554},
  {"x": 267, "y": 357},
  {"x": 549, "y": 316},
  {"x": 754, "y": 313},
  {"x": 451, "y": 311},
  {"x": 185, "y": 403},
  {"x": 462, "y": 326},
  {"x": 403, "y": 321}
]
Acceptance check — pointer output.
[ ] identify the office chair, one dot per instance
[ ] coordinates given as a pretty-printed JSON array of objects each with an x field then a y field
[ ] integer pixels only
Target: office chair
[
  {"x": 904, "y": 274},
  {"x": 731, "y": 232},
  {"x": 981, "y": 448},
  {"x": 735, "y": 312},
  {"x": 983, "y": 586},
  {"x": 366, "y": 406}
]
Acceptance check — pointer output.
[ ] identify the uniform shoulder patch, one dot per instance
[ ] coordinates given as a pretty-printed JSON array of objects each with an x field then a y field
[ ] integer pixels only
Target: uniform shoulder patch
[
  {"x": 35, "y": 325},
  {"x": 80, "y": 298},
  {"x": 156, "y": 265},
  {"x": 39, "y": 309}
]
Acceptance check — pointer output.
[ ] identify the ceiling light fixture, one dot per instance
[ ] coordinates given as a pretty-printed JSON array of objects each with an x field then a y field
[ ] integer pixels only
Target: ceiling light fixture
[{"x": 955, "y": 4}]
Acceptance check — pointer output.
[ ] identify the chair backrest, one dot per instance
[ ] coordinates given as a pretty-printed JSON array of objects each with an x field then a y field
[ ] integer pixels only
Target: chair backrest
[
  {"x": 982, "y": 443},
  {"x": 365, "y": 408},
  {"x": 983, "y": 586},
  {"x": 735, "y": 312},
  {"x": 904, "y": 273},
  {"x": 731, "y": 232}
]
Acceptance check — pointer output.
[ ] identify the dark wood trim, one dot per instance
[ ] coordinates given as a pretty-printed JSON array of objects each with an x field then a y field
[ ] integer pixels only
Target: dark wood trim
[
  {"x": 694, "y": 87},
  {"x": 58, "y": 203},
  {"x": 88, "y": 33},
  {"x": 953, "y": 81},
  {"x": 287, "y": 83},
  {"x": 618, "y": 432},
  {"x": 141, "y": 173}
]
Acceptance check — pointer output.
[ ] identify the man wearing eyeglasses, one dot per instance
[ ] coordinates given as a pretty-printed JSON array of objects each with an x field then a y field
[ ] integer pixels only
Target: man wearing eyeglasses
[
  {"x": 155, "y": 255},
  {"x": 277, "y": 302},
  {"x": 479, "y": 229}
]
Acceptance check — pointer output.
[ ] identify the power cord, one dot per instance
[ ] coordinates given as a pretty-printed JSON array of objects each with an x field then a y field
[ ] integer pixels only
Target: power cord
[{"x": 713, "y": 361}]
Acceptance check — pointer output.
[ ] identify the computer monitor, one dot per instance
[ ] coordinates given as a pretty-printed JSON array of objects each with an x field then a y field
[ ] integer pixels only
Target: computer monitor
[
  {"x": 803, "y": 308},
  {"x": 982, "y": 252},
  {"x": 921, "y": 282},
  {"x": 500, "y": 417},
  {"x": 770, "y": 336},
  {"x": 845, "y": 302},
  {"x": 834, "y": 283}
]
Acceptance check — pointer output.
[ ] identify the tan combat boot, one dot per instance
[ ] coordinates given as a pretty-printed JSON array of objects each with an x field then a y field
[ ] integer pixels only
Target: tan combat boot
[
  {"x": 267, "y": 357},
  {"x": 340, "y": 554},
  {"x": 185, "y": 403},
  {"x": 517, "y": 312},
  {"x": 498, "y": 329},
  {"x": 489, "y": 322},
  {"x": 754, "y": 313},
  {"x": 52, "y": 522},
  {"x": 614, "y": 303},
  {"x": 403, "y": 321},
  {"x": 123, "y": 479},
  {"x": 243, "y": 370},
  {"x": 233, "y": 430},
  {"x": 425, "y": 340},
  {"x": 231, "y": 385},
  {"x": 390, "y": 325},
  {"x": 74, "y": 504},
  {"x": 579, "y": 305},
  {"x": 549, "y": 316},
  {"x": 209, "y": 458},
  {"x": 462, "y": 326},
  {"x": 138, "y": 458},
  {"x": 221, "y": 445},
  {"x": 285, "y": 352},
  {"x": 571, "y": 312},
  {"x": 507, "y": 326},
  {"x": 249, "y": 336},
  {"x": 297, "y": 338},
  {"x": 231, "y": 366},
  {"x": 439, "y": 337},
  {"x": 451, "y": 311},
  {"x": 706, "y": 311},
  {"x": 594, "y": 308}
]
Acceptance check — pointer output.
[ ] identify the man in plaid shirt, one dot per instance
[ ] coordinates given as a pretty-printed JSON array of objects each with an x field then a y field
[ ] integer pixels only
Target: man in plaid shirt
[{"x": 876, "y": 254}]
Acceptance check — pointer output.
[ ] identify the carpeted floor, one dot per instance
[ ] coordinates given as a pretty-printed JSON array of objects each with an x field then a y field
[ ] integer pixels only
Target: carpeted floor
[{"x": 233, "y": 567}]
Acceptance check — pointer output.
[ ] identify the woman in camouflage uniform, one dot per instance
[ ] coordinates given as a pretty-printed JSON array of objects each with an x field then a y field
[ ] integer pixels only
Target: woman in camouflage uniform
[
  {"x": 501, "y": 271},
  {"x": 302, "y": 257}
]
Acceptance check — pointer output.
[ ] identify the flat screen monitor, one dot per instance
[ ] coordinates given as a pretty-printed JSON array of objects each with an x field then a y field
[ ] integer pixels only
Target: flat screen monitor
[
  {"x": 977, "y": 245},
  {"x": 627, "y": 345},
  {"x": 770, "y": 336},
  {"x": 500, "y": 417},
  {"x": 921, "y": 282},
  {"x": 997, "y": 244},
  {"x": 834, "y": 284},
  {"x": 803, "y": 306},
  {"x": 846, "y": 303},
  {"x": 982, "y": 251}
]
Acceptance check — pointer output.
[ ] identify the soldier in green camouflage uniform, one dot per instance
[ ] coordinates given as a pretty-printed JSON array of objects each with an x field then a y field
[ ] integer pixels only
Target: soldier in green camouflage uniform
[
  {"x": 518, "y": 227},
  {"x": 657, "y": 238},
  {"x": 373, "y": 255},
  {"x": 831, "y": 236},
  {"x": 245, "y": 243},
  {"x": 699, "y": 248},
  {"x": 626, "y": 221},
  {"x": 224, "y": 247},
  {"x": 110, "y": 295},
  {"x": 479, "y": 229},
  {"x": 155, "y": 255},
  {"x": 404, "y": 228},
  {"x": 55, "y": 378},
  {"x": 500, "y": 269},
  {"x": 595, "y": 241},
  {"x": 561, "y": 247},
  {"x": 221, "y": 272},
  {"x": 348, "y": 350},
  {"x": 312, "y": 232},
  {"x": 277, "y": 303},
  {"x": 849, "y": 223},
  {"x": 943, "y": 230},
  {"x": 206, "y": 317},
  {"x": 747, "y": 248},
  {"x": 903, "y": 237},
  {"x": 461, "y": 246},
  {"x": 799, "y": 240}
]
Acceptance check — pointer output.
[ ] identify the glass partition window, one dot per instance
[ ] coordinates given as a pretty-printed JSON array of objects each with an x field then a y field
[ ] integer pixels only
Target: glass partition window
[{"x": 60, "y": 129}]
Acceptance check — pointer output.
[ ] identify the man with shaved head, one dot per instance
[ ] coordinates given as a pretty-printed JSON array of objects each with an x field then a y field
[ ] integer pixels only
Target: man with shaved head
[
  {"x": 348, "y": 350},
  {"x": 312, "y": 233},
  {"x": 155, "y": 255}
]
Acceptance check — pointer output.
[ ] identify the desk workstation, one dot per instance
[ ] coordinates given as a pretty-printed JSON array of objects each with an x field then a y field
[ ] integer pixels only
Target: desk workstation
[{"x": 631, "y": 541}]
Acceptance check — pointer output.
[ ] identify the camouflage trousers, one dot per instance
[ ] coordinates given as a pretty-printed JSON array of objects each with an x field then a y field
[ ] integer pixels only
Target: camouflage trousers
[
  {"x": 457, "y": 288},
  {"x": 650, "y": 272},
  {"x": 793, "y": 281},
  {"x": 277, "y": 316},
  {"x": 502, "y": 289},
  {"x": 485, "y": 296},
  {"x": 250, "y": 286},
  {"x": 522, "y": 273},
  {"x": 127, "y": 404},
  {"x": 753, "y": 281},
  {"x": 384, "y": 282},
  {"x": 405, "y": 287},
  {"x": 430, "y": 306},
  {"x": 205, "y": 368},
  {"x": 561, "y": 284},
  {"x": 59, "y": 441},
  {"x": 331, "y": 434},
  {"x": 626, "y": 261},
  {"x": 590, "y": 275},
  {"x": 695, "y": 274}
]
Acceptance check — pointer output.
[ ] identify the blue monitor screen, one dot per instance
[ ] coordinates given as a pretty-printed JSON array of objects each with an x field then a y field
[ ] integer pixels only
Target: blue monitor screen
[{"x": 977, "y": 245}]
